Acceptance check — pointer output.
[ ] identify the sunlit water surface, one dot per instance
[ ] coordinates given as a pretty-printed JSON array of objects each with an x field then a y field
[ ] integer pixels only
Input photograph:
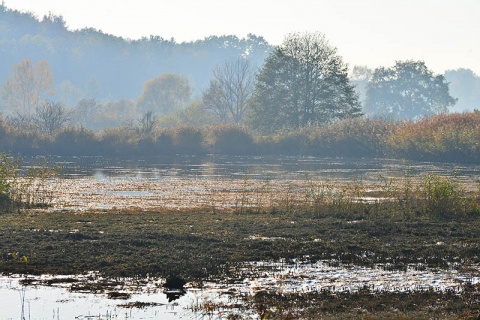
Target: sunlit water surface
[
  {"x": 59, "y": 301},
  {"x": 220, "y": 181},
  {"x": 215, "y": 181}
]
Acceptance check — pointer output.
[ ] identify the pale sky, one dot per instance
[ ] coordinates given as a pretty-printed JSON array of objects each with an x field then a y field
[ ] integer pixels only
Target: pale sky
[{"x": 443, "y": 33}]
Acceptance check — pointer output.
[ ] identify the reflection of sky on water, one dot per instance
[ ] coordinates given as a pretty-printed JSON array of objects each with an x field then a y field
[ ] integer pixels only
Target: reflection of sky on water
[
  {"x": 220, "y": 181},
  {"x": 56, "y": 302},
  {"x": 261, "y": 168},
  {"x": 41, "y": 302}
]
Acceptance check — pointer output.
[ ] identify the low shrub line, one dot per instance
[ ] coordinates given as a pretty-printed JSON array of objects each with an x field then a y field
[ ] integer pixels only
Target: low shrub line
[{"x": 448, "y": 138}]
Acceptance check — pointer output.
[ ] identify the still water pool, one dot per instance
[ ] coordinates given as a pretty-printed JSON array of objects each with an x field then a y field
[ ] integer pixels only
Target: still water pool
[
  {"x": 219, "y": 181},
  {"x": 145, "y": 299}
]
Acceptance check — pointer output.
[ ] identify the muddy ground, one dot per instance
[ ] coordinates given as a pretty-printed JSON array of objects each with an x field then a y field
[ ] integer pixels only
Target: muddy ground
[{"x": 207, "y": 244}]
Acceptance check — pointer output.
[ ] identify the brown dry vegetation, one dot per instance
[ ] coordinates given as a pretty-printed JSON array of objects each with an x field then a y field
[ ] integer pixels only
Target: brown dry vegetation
[
  {"x": 452, "y": 137},
  {"x": 432, "y": 222}
]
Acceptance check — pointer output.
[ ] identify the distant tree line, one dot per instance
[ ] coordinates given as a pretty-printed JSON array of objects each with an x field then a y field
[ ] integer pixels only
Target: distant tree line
[
  {"x": 89, "y": 63},
  {"x": 302, "y": 84}
]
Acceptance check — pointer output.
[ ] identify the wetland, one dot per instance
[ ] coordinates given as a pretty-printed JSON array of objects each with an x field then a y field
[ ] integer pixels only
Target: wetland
[{"x": 268, "y": 238}]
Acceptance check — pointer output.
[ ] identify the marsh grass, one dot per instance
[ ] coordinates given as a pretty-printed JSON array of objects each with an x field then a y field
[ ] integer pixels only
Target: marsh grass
[
  {"x": 445, "y": 137},
  {"x": 22, "y": 187},
  {"x": 430, "y": 195}
]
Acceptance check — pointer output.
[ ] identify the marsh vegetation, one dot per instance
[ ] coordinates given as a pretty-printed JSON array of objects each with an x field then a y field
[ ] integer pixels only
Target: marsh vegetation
[
  {"x": 273, "y": 243},
  {"x": 257, "y": 180}
]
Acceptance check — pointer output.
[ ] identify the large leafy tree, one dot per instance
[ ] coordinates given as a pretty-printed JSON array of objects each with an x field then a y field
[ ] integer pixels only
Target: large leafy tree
[
  {"x": 164, "y": 94},
  {"x": 303, "y": 82},
  {"x": 406, "y": 91}
]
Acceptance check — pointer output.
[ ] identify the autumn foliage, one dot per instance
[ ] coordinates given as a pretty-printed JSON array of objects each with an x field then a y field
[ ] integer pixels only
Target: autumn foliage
[
  {"x": 453, "y": 137},
  {"x": 445, "y": 137}
]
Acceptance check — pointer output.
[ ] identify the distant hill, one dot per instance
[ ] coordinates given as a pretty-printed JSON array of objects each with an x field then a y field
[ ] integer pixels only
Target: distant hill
[{"x": 92, "y": 64}]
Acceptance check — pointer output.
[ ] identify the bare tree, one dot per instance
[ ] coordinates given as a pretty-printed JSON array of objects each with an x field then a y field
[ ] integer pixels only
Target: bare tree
[
  {"x": 51, "y": 117},
  {"x": 148, "y": 122},
  {"x": 23, "y": 122},
  {"x": 230, "y": 90},
  {"x": 213, "y": 100},
  {"x": 86, "y": 112}
]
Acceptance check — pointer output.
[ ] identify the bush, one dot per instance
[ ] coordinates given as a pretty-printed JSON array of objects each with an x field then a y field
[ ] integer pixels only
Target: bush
[
  {"x": 291, "y": 143},
  {"x": 188, "y": 140},
  {"x": 118, "y": 141},
  {"x": 232, "y": 140},
  {"x": 356, "y": 137},
  {"x": 75, "y": 142}
]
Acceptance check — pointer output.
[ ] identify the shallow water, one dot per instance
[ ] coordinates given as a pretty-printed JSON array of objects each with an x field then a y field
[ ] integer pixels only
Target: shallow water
[
  {"x": 60, "y": 301},
  {"x": 229, "y": 182},
  {"x": 213, "y": 167},
  {"x": 219, "y": 181}
]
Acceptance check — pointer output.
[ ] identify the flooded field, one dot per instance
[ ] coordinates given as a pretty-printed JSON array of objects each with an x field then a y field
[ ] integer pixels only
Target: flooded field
[
  {"x": 66, "y": 297},
  {"x": 242, "y": 266},
  {"x": 222, "y": 182}
]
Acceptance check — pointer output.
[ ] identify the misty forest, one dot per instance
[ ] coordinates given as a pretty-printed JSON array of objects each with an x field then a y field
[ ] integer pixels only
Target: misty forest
[
  {"x": 84, "y": 92},
  {"x": 259, "y": 181}
]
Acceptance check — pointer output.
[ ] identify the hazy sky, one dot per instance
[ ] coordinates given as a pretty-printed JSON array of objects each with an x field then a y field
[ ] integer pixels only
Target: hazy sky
[{"x": 443, "y": 33}]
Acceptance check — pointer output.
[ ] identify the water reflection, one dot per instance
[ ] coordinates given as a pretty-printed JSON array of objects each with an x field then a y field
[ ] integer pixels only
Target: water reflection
[
  {"x": 221, "y": 181},
  {"x": 145, "y": 299},
  {"x": 173, "y": 295},
  {"x": 261, "y": 168}
]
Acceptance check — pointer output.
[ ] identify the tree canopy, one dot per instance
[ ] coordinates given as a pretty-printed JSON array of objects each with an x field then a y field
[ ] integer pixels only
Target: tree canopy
[
  {"x": 27, "y": 86},
  {"x": 303, "y": 82},
  {"x": 165, "y": 93},
  {"x": 117, "y": 65},
  {"x": 407, "y": 90}
]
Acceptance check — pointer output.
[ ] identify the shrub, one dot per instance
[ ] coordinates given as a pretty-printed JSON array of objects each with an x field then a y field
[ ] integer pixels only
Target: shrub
[
  {"x": 75, "y": 142},
  {"x": 188, "y": 139},
  {"x": 291, "y": 143},
  {"x": 118, "y": 141},
  {"x": 232, "y": 140}
]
